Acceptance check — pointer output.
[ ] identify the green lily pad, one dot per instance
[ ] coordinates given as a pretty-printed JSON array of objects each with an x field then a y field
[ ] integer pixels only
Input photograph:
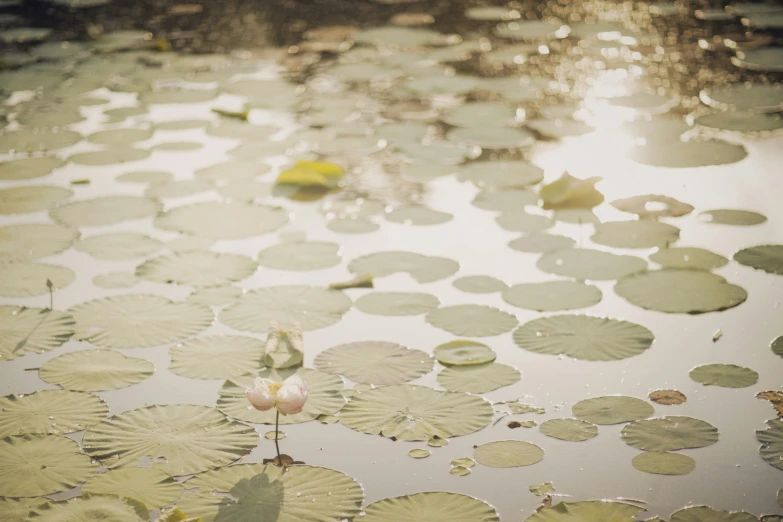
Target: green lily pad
[
  {"x": 407, "y": 412},
  {"x": 687, "y": 154},
  {"x": 508, "y": 454},
  {"x": 662, "y": 463},
  {"x": 27, "y": 279},
  {"x": 24, "y": 199},
  {"x": 178, "y": 189},
  {"x": 217, "y": 357},
  {"x": 215, "y": 295},
  {"x": 586, "y": 264},
  {"x": 397, "y": 37},
  {"x": 397, "y": 303},
  {"x": 149, "y": 486},
  {"x": 119, "y": 246},
  {"x": 635, "y": 234},
  {"x": 324, "y": 398},
  {"x": 507, "y": 201},
  {"x": 584, "y": 337},
  {"x": 680, "y": 291},
  {"x": 463, "y": 352},
  {"x": 708, "y": 514},
  {"x": 669, "y": 434},
  {"x": 768, "y": 258},
  {"x": 478, "y": 378},
  {"x": 220, "y": 220},
  {"x": 50, "y": 412},
  {"x": 479, "y": 284},
  {"x": 312, "y": 307},
  {"x": 552, "y": 295},
  {"x": 612, "y": 409},
  {"x": 587, "y": 511},
  {"x": 41, "y": 465},
  {"x": 94, "y": 507},
  {"x": 501, "y": 174},
  {"x": 419, "y": 453},
  {"x": 418, "y": 215},
  {"x": 181, "y": 439},
  {"x": 139, "y": 320},
  {"x": 352, "y": 225},
  {"x": 119, "y": 137},
  {"x": 541, "y": 243},
  {"x": 460, "y": 471},
  {"x": 104, "y": 211},
  {"x": 197, "y": 268},
  {"x": 741, "y": 218},
  {"x": 33, "y": 240},
  {"x": 740, "y": 121},
  {"x": 95, "y": 370},
  {"x": 32, "y": 330},
  {"x": 521, "y": 221},
  {"x": 688, "y": 258},
  {"x": 481, "y": 114},
  {"x": 472, "y": 320},
  {"x": 424, "y": 269},
  {"x": 431, "y": 506},
  {"x": 153, "y": 176},
  {"x": 492, "y": 137},
  {"x": 300, "y": 255},
  {"x": 374, "y": 362},
  {"x": 29, "y": 168},
  {"x": 29, "y": 140},
  {"x": 777, "y": 346},
  {"x": 15, "y": 509},
  {"x": 745, "y": 96},
  {"x": 571, "y": 430},
  {"x": 724, "y": 375},
  {"x": 771, "y": 439},
  {"x": 540, "y": 490}
]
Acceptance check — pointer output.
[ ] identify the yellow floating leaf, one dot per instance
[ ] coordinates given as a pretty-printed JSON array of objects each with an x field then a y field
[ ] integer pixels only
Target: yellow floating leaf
[
  {"x": 302, "y": 176},
  {"x": 239, "y": 115},
  {"x": 330, "y": 170},
  {"x": 571, "y": 192}
]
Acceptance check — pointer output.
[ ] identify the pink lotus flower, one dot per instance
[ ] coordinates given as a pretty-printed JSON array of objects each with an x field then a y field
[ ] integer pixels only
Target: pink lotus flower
[{"x": 288, "y": 397}]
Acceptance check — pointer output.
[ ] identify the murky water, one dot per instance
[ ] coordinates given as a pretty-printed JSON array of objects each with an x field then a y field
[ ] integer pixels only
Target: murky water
[{"x": 586, "y": 73}]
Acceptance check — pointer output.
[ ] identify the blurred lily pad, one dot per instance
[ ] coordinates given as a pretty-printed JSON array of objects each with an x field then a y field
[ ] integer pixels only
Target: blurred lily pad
[
  {"x": 635, "y": 234},
  {"x": 771, "y": 439},
  {"x": 221, "y": 220},
  {"x": 521, "y": 221},
  {"x": 424, "y": 269},
  {"x": 492, "y": 137},
  {"x": 27, "y": 279},
  {"x": 217, "y": 357},
  {"x": 418, "y": 215},
  {"x": 104, "y": 211},
  {"x": 472, "y": 320},
  {"x": 24, "y": 199},
  {"x": 197, "y": 268},
  {"x": 541, "y": 243},
  {"x": 119, "y": 245},
  {"x": 586, "y": 264},
  {"x": 725, "y": 216},
  {"x": 479, "y": 284},
  {"x": 768, "y": 258},
  {"x": 501, "y": 174},
  {"x": 374, "y": 362},
  {"x": 29, "y": 168},
  {"x": 33, "y": 240},
  {"x": 669, "y": 434},
  {"x": 687, "y": 154},
  {"x": 552, "y": 295},
  {"x": 397, "y": 303},
  {"x": 688, "y": 258},
  {"x": 570, "y": 192}
]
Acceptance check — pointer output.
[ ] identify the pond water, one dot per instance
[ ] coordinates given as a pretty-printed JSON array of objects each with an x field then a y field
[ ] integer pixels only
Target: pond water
[{"x": 155, "y": 168}]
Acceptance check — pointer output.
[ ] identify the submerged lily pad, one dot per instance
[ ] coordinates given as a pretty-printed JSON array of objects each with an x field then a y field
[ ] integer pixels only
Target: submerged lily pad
[
  {"x": 479, "y": 284},
  {"x": 584, "y": 337},
  {"x": 152, "y": 487},
  {"x": 725, "y": 216},
  {"x": 32, "y": 330},
  {"x": 217, "y": 357},
  {"x": 508, "y": 454},
  {"x": 139, "y": 320},
  {"x": 119, "y": 245},
  {"x": 300, "y": 255},
  {"x": 587, "y": 511},
  {"x": 416, "y": 413},
  {"x": 662, "y": 463},
  {"x": 541, "y": 243},
  {"x": 27, "y": 279},
  {"x": 472, "y": 320},
  {"x": 552, "y": 295},
  {"x": 33, "y": 240},
  {"x": 24, "y": 199},
  {"x": 397, "y": 303},
  {"x": 374, "y": 362},
  {"x": 312, "y": 307},
  {"x": 771, "y": 439},
  {"x": 424, "y": 269},
  {"x": 478, "y": 378},
  {"x": 41, "y": 465},
  {"x": 635, "y": 234},
  {"x": 688, "y": 258},
  {"x": 586, "y": 264},
  {"x": 180, "y": 438},
  {"x": 104, "y": 211},
  {"x": 571, "y": 430},
  {"x": 612, "y": 409},
  {"x": 50, "y": 412},
  {"x": 768, "y": 258},
  {"x": 95, "y": 370},
  {"x": 463, "y": 352},
  {"x": 219, "y": 220},
  {"x": 724, "y": 375},
  {"x": 669, "y": 434},
  {"x": 680, "y": 291},
  {"x": 197, "y": 268},
  {"x": 431, "y": 506}
]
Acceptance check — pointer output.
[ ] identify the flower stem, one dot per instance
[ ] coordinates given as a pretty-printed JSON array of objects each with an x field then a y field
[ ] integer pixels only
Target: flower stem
[{"x": 277, "y": 433}]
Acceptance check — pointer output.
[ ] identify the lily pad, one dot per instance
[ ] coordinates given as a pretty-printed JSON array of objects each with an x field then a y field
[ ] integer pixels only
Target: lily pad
[
  {"x": 33, "y": 240},
  {"x": 587, "y": 511},
  {"x": 508, "y": 454},
  {"x": 771, "y": 439},
  {"x": 312, "y": 307},
  {"x": 492, "y": 137},
  {"x": 178, "y": 188},
  {"x": 667, "y": 397},
  {"x": 41, "y": 465},
  {"x": 481, "y": 114},
  {"x": 768, "y": 258},
  {"x": 688, "y": 258},
  {"x": 104, "y": 211},
  {"x": 115, "y": 280},
  {"x": 153, "y": 176},
  {"x": 50, "y": 412},
  {"x": 232, "y": 171},
  {"x": 746, "y": 96},
  {"x": 138, "y": 320},
  {"x": 324, "y": 397},
  {"x": 705, "y": 514},
  {"x": 734, "y": 121},
  {"x": 397, "y": 303},
  {"x": 724, "y": 375},
  {"x": 32, "y": 330},
  {"x": 506, "y": 200},
  {"x": 352, "y": 226},
  {"x": 571, "y": 430},
  {"x": 501, "y": 174},
  {"x": 541, "y": 243},
  {"x": 27, "y": 279},
  {"x": 612, "y": 409},
  {"x": 119, "y": 137},
  {"x": 29, "y": 140},
  {"x": 540, "y": 490},
  {"x": 424, "y": 269},
  {"x": 472, "y": 320},
  {"x": 29, "y": 168},
  {"x": 635, "y": 234},
  {"x": 669, "y": 434},
  {"x": 24, "y": 199},
  {"x": 687, "y": 154},
  {"x": 418, "y": 215},
  {"x": 725, "y": 216},
  {"x": 530, "y": 30},
  {"x": 652, "y": 206},
  {"x": 300, "y": 255},
  {"x": 777, "y": 346},
  {"x": 416, "y": 413},
  {"x": 680, "y": 291},
  {"x": 662, "y": 463},
  {"x": 478, "y": 378},
  {"x": 218, "y": 220},
  {"x": 14, "y": 509},
  {"x": 552, "y": 295},
  {"x": 180, "y": 438},
  {"x": 374, "y": 362},
  {"x": 95, "y": 370},
  {"x": 584, "y": 337},
  {"x": 197, "y": 268},
  {"x": 217, "y": 357},
  {"x": 479, "y": 284},
  {"x": 433, "y": 507},
  {"x": 419, "y": 453},
  {"x": 149, "y": 486},
  {"x": 568, "y": 192},
  {"x": 586, "y": 264},
  {"x": 119, "y": 246},
  {"x": 521, "y": 221},
  {"x": 397, "y": 37},
  {"x": 463, "y": 352}
]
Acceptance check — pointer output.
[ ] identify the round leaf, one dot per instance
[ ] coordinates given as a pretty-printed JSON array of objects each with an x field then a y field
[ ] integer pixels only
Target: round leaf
[
  {"x": 397, "y": 303},
  {"x": 508, "y": 454},
  {"x": 552, "y": 295},
  {"x": 431, "y": 506},
  {"x": 472, "y": 320},
  {"x": 95, "y": 370},
  {"x": 724, "y": 375},
  {"x": 300, "y": 255},
  {"x": 149, "y": 486},
  {"x": 661, "y": 463},
  {"x": 197, "y": 268},
  {"x": 585, "y": 264},
  {"x": 463, "y": 352},
  {"x": 478, "y": 378},
  {"x": 374, "y": 362},
  {"x": 32, "y": 330},
  {"x": 217, "y": 357},
  {"x": 612, "y": 409},
  {"x": 50, "y": 412},
  {"x": 669, "y": 434},
  {"x": 572, "y": 430}
]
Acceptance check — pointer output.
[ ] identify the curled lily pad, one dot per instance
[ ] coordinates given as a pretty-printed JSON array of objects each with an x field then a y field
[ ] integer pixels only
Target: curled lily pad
[
  {"x": 478, "y": 378},
  {"x": 479, "y": 284},
  {"x": 635, "y": 234},
  {"x": 197, "y": 268},
  {"x": 472, "y": 320},
  {"x": 584, "y": 337},
  {"x": 670, "y": 434},
  {"x": 612, "y": 409},
  {"x": 374, "y": 362},
  {"x": 688, "y": 258},
  {"x": 652, "y": 206},
  {"x": 552, "y": 295},
  {"x": 768, "y": 258},
  {"x": 95, "y": 370},
  {"x": 300, "y": 255},
  {"x": 152, "y": 487},
  {"x": 219, "y": 220},
  {"x": 407, "y": 412},
  {"x": 104, "y": 211},
  {"x": 26, "y": 279},
  {"x": 32, "y": 330},
  {"x": 508, "y": 454},
  {"x": 397, "y": 303},
  {"x": 431, "y": 506},
  {"x": 463, "y": 352},
  {"x": 587, "y": 511},
  {"x": 119, "y": 245},
  {"x": 217, "y": 357},
  {"x": 50, "y": 412},
  {"x": 24, "y": 199},
  {"x": 725, "y": 216},
  {"x": 680, "y": 291},
  {"x": 586, "y": 264},
  {"x": 724, "y": 375},
  {"x": 662, "y": 463},
  {"x": 424, "y": 269},
  {"x": 33, "y": 240},
  {"x": 541, "y": 243},
  {"x": 312, "y": 307},
  {"x": 572, "y": 430}
]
